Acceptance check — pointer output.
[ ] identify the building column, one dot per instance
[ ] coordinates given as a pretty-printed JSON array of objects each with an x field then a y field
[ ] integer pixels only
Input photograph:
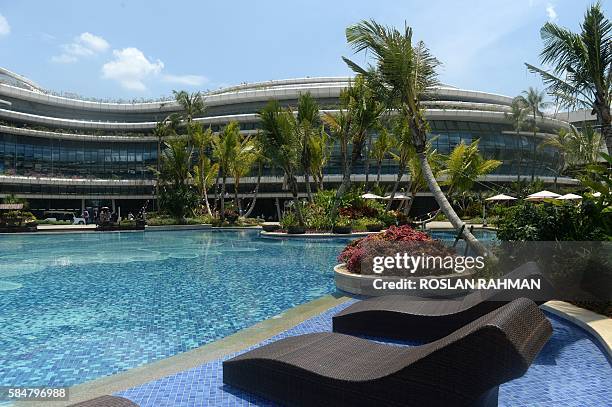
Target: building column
[
  {"x": 82, "y": 205},
  {"x": 113, "y": 204}
]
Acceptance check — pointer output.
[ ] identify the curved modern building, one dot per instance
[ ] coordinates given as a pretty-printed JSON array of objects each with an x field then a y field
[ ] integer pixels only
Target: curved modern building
[{"x": 67, "y": 153}]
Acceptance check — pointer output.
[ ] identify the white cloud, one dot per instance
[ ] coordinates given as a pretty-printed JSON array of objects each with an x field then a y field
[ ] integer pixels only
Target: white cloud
[
  {"x": 5, "y": 28},
  {"x": 86, "y": 44},
  {"x": 188, "y": 80},
  {"x": 551, "y": 12},
  {"x": 130, "y": 67}
]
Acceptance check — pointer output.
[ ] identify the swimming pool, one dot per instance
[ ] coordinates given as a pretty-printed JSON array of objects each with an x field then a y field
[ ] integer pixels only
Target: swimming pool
[{"x": 75, "y": 307}]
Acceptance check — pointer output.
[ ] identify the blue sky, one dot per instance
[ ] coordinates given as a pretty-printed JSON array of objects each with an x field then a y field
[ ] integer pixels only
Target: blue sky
[{"x": 138, "y": 48}]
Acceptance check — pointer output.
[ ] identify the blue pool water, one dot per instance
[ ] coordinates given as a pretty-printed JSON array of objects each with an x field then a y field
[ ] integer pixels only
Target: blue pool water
[{"x": 75, "y": 307}]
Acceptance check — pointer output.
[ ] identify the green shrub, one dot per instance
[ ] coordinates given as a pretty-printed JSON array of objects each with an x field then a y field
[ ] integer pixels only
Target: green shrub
[
  {"x": 553, "y": 221},
  {"x": 289, "y": 219}
]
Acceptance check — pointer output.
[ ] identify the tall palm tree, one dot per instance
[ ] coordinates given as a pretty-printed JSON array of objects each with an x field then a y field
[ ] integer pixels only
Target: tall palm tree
[
  {"x": 175, "y": 177},
  {"x": 360, "y": 112},
  {"x": 319, "y": 156},
  {"x": 582, "y": 66},
  {"x": 464, "y": 165},
  {"x": 576, "y": 148},
  {"x": 204, "y": 170},
  {"x": 191, "y": 103},
  {"x": 224, "y": 151},
  {"x": 404, "y": 149},
  {"x": 380, "y": 149},
  {"x": 260, "y": 161},
  {"x": 533, "y": 99},
  {"x": 517, "y": 116},
  {"x": 281, "y": 144},
  {"x": 403, "y": 72},
  {"x": 307, "y": 125},
  {"x": 242, "y": 163}
]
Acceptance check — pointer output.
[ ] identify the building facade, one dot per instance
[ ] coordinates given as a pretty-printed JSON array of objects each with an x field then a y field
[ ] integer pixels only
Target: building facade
[{"x": 68, "y": 153}]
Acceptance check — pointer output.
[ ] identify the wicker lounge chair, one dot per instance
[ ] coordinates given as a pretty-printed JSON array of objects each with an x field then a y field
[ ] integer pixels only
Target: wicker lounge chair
[
  {"x": 462, "y": 369},
  {"x": 106, "y": 401},
  {"x": 424, "y": 319}
]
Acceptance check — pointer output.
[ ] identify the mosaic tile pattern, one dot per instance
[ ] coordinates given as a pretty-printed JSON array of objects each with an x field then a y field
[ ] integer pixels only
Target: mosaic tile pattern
[
  {"x": 91, "y": 305},
  {"x": 571, "y": 370}
]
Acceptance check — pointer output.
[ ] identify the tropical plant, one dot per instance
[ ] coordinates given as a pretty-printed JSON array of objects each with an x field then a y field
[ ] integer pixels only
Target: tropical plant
[
  {"x": 517, "y": 116},
  {"x": 192, "y": 104},
  {"x": 533, "y": 99},
  {"x": 582, "y": 65},
  {"x": 381, "y": 147},
  {"x": 204, "y": 171},
  {"x": 417, "y": 181},
  {"x": 402, "y": 74},
  {"x": 359, "y": 113},
  {"x": 404, "y": 149},
  {"x": 241, "y": 165},
  {"x": 281, "y": 144},
  {"x": 464, "y": 165},
  {"x": 224, "y": 151},
  {"x": 174, "y": 178},
  {"x": 576, "y": 148},
  {"x": 307, "y": 126},
  {"x": 319, "y": 156}
]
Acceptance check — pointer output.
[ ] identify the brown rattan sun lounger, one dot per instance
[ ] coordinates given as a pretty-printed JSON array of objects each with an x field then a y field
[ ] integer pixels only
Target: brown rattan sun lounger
[
  {"x": 424, "y": 319},
  {"x": 106, "y": 401},
  {"x": 331, "y": 369}
]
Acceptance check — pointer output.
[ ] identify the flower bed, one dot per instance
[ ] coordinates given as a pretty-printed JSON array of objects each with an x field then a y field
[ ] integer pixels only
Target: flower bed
[{"x": 359, "y": 254}]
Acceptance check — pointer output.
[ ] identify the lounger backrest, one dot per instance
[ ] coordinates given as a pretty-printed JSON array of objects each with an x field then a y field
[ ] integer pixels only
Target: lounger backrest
[{"x": 491, "y": 350}]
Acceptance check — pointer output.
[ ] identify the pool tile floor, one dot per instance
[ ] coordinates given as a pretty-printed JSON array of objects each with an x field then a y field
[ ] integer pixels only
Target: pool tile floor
[{"x": 571, "y": 370}]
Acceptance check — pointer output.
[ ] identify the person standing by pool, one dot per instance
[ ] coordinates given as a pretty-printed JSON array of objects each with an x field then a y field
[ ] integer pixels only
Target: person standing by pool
[{"x": 86, "y": 216}]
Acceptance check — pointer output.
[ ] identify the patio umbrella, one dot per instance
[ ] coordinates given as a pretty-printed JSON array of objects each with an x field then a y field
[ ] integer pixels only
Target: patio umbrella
[
  {"x": 569, "y": 197},
  {"x": 501, "y": 197},
  {"x": 371, "y": 196},
  {"x": 398, "y": 197},
  {"x": 540, "y": 196}
]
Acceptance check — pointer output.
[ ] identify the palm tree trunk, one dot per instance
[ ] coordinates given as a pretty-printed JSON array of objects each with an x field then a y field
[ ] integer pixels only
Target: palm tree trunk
[
  {"x": 206, "y": 201},
  {"x": 378, "y": 171},
  {"x": 252, "y": 206},
  {"x": 534, "y": 147},
  {"x": 308, "y": 189},
  {"x": 236, "y": 200},
  {"x": 606, "y": 125},
  {"x": 367, "y": 163},
  {"x": 296, "y": 200},
  {"x": 409, "y": 203},
  {"x": 223, "y": 180},
  {"x": 400, "y": 174},
  {"x": 446, "y": 207}
]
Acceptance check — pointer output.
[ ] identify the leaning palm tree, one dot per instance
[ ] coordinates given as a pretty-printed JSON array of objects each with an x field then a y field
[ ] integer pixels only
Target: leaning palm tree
[
  {"x": 417, "y": 180},
  {"x": 517, "y": 116},
  {"x": 404, "y": 72},
  {"x": 224, "y": 151},
  {"x": 281, "y": 144},
  {"x": 582, "y": 66},
  {"x": 381, "y": 148},
  {"x": 534, "y": 102}
]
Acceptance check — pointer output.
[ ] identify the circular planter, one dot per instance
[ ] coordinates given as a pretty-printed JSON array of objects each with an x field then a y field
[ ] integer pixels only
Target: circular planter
[
  {"x": 374, "y": 227},
  {"x": 362, "y": 284},
  {"x": 342, "y": 230},
  {"x": 270, "y": 227},
  {"x": 296, "y": 230}
]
